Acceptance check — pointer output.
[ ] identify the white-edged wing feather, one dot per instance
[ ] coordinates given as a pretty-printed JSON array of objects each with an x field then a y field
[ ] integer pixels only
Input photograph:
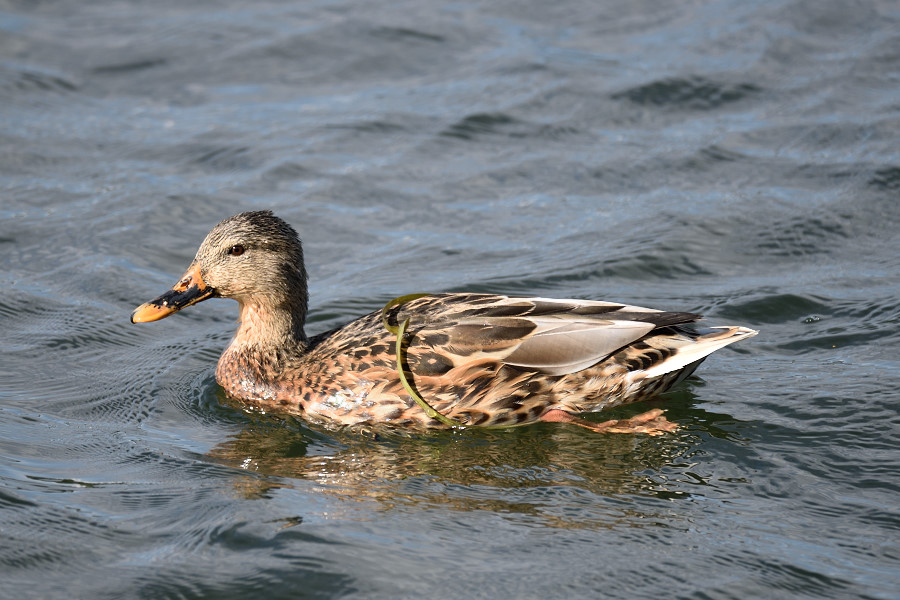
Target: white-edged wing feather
[
  {"x": 562, "y": 346},
  {"x": 552, "y": 336}
]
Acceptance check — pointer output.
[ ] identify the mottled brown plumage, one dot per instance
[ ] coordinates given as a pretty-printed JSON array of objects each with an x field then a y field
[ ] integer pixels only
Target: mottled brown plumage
[{"x": 480, "y": 359}]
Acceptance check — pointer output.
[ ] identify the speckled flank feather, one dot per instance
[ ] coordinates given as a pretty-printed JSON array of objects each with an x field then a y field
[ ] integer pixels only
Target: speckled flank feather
[{"x": 480, "y": 359}]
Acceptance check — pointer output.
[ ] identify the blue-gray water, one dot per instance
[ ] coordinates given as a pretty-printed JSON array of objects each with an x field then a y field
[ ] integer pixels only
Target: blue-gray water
[{"x": 732, "y": 158}]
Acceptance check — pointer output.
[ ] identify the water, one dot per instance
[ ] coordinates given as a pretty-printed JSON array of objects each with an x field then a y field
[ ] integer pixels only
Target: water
[{"x": 730, "y": 158}]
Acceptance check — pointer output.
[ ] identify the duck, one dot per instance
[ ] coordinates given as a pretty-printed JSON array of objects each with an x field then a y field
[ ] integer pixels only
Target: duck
[{"x": 430, "y": 361}]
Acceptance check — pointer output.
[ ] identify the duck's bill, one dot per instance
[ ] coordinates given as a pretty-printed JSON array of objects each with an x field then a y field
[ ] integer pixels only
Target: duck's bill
[{"x": 191, "y": 289}]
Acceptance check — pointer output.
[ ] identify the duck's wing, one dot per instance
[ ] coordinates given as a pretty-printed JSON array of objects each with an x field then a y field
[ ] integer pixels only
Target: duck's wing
[{"x": 551, "y": 336}]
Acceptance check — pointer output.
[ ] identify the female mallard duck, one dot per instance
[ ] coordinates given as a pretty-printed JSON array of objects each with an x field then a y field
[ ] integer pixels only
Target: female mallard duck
[{"x": 478, "y": 359}]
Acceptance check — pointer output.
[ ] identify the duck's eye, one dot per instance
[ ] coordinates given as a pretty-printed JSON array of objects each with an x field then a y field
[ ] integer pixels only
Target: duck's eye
[{"x": 236, "y": 250}]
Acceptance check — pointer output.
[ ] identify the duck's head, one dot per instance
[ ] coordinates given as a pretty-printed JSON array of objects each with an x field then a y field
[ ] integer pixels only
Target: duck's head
[{"x": 253, "y": 257}]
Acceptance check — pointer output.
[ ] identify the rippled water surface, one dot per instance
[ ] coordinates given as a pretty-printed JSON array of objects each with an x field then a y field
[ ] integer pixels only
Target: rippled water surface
[{"x": 731, "y": 158}]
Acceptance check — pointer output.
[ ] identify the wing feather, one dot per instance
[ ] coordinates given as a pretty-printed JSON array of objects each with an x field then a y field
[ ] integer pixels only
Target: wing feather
[
  {"x": 556, "y": 337},
  {"x": 564, "y": 347}
]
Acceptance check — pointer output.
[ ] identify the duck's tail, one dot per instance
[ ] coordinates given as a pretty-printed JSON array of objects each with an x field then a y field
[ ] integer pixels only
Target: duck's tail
[{"x": 695, "y": 349}]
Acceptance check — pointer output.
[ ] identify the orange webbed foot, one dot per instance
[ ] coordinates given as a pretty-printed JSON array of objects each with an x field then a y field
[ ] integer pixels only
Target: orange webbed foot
[{"x": 651, "y": 422}]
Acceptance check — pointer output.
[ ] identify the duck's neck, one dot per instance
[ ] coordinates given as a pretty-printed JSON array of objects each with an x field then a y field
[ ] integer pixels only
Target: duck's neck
[
  {"x": 263, "y": 326},
  {"x": 267, "y": 339}
]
